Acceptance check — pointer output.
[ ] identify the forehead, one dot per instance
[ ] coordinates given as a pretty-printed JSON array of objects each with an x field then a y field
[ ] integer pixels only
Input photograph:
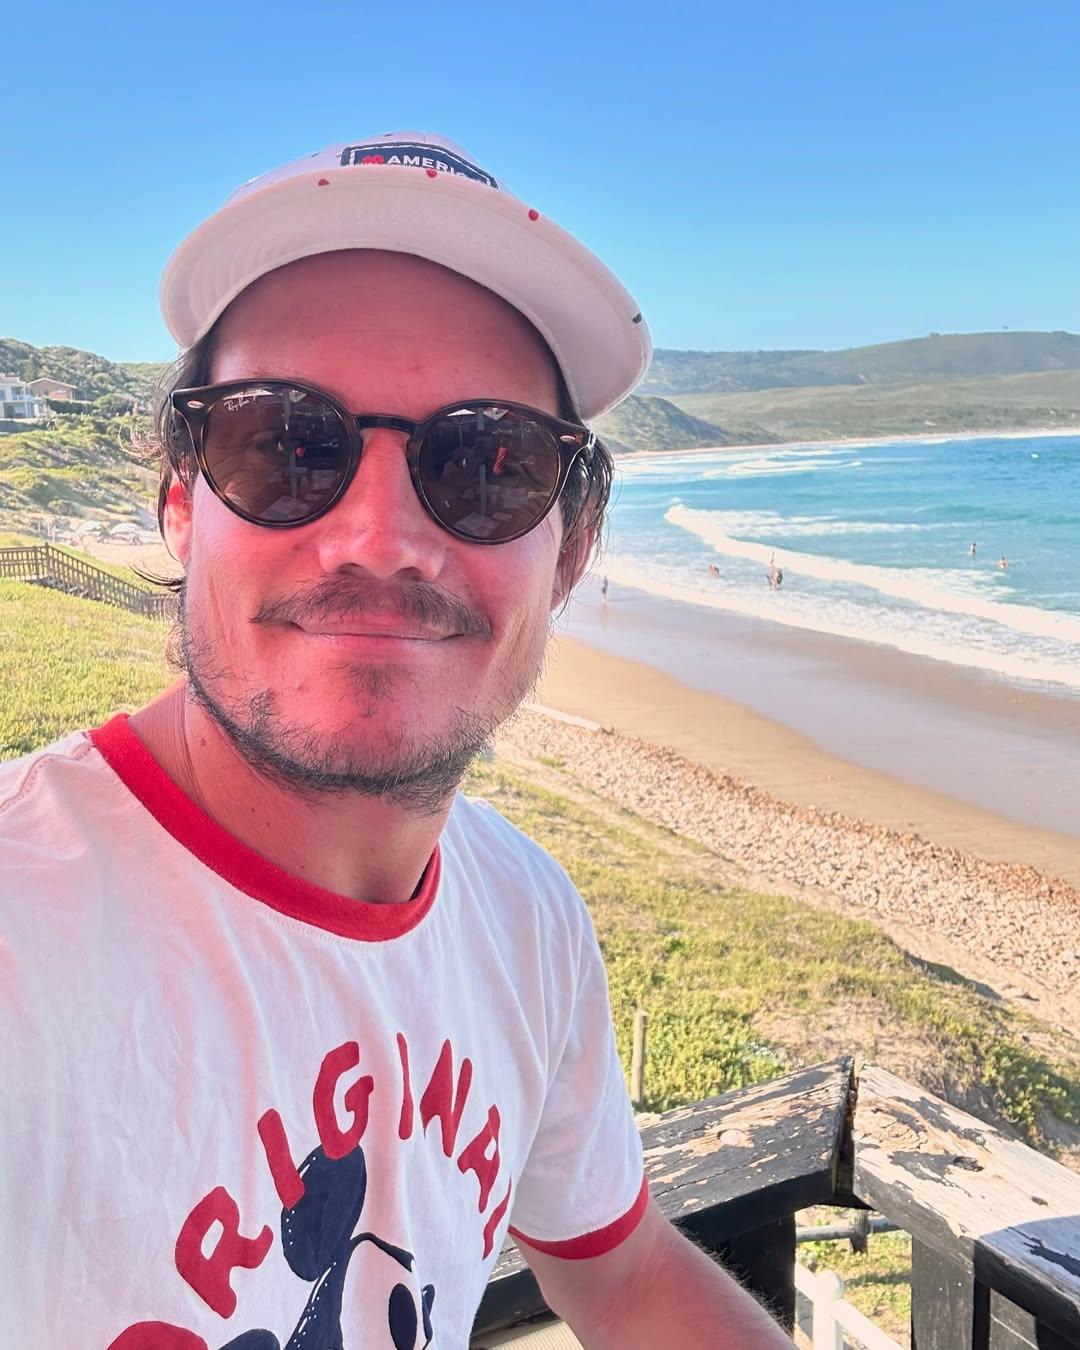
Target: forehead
[{"x": 372, "y": 326}]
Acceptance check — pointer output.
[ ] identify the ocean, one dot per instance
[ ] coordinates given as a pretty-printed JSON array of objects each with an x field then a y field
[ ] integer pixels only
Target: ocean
[{"x": 874, "y": 542}]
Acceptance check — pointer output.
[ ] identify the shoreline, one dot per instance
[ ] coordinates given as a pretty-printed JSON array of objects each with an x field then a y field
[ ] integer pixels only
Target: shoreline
[
  {"x": 728, "y": 737},
  {"x": 902, "y": 438}
]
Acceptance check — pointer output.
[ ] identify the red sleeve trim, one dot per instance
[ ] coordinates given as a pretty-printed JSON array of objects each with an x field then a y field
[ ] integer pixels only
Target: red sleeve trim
[
  {"x": 241, "y": 866},
  {"x": 597, "y": 1243}
]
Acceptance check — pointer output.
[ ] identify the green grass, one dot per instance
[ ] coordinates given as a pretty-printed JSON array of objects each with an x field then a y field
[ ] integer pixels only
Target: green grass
[
  {"x": 67, "y": 663},
  {"x": 742, "y": 985}
]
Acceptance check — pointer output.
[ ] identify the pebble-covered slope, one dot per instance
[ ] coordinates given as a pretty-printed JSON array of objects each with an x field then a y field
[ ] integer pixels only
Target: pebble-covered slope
[{"x": 1010, "y": 916}]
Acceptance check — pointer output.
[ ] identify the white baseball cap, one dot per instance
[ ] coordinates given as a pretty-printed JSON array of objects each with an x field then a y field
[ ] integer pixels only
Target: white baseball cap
[{"x": 414, "y": 192}]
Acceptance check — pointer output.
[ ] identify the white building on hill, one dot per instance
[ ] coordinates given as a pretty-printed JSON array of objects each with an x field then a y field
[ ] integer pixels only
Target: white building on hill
[{"x": 17, "y": 400}]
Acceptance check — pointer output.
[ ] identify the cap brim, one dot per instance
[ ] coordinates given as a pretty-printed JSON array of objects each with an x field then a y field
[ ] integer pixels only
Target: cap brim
[{"x": 581, "y": 309}]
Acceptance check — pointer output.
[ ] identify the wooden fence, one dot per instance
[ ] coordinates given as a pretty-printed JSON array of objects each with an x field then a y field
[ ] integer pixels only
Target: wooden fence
[
  {"x": 50, "y": 566},
  {"x": 995, "y": 1226}
]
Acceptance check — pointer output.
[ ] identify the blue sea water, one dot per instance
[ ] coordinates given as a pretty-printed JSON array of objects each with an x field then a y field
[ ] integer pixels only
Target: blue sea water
[{"x": 874, "y": 544}]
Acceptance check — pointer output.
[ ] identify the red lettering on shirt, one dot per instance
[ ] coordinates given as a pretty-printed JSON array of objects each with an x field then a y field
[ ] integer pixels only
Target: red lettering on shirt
[
  {"x": 209, "y": 1275},
  {"x": 336, "y": 1142},
  {"x": 474, "y": 1156},
  {"x": 494, "y": 1221},
  {"x": 157, "y": 1336},
  {"x": 439, "y": 1099},
  {"x": 405, "y": 1120},
  {"x": 288, "y": 1182}
]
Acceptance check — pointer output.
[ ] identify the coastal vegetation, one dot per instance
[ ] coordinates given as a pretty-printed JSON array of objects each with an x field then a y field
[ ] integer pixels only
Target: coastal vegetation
[
  {"x": 93, "y": 376},
  {"x": 81, "y": 466}
]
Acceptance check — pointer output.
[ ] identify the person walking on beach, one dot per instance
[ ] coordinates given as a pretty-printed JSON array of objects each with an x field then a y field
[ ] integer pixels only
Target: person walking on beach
[
  {"x": 295, "y": 1034},
  {"x": 603, "y": 591}
]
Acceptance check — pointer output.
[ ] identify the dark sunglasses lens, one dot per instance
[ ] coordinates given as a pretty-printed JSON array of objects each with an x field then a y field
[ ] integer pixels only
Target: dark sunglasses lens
[
  {"x": 274, "y": 453},
  {"x": 489, "y": 473}
]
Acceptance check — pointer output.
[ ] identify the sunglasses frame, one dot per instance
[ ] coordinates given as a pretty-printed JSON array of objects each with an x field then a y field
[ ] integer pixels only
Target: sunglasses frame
[{"x": 194, "y": 407}]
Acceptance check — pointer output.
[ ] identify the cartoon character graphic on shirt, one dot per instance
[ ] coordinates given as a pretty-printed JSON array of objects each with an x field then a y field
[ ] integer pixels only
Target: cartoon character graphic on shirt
[
  {"x": 322, "y": 1203},
  {"x": 318, "y": 1242}
]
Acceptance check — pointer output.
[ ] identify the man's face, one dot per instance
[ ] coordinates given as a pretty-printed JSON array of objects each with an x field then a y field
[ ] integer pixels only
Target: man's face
[{"x": 368, "y": 650}]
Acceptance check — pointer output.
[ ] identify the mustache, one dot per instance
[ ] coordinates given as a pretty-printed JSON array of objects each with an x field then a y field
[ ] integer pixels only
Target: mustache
[{"x": 345, "y": 598}]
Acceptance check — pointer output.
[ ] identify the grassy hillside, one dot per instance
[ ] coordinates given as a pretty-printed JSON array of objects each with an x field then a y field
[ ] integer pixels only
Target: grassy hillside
[
  {"x": 1004, "y": 402},
  {"x": 81, "y": 467},
  {"x": 644, "y": 423},
  {"x": 938, "y": 356}
]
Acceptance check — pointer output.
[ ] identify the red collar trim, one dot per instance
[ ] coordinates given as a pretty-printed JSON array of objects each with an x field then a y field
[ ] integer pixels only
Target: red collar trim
[{"x": 241, "y": 866}]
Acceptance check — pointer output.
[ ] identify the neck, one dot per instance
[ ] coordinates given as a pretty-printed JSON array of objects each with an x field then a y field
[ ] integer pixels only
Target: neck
[{"x": 361, "y": 847}]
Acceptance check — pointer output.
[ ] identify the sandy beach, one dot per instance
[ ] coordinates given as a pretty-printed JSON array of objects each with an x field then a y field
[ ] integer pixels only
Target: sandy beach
[
  {"x": 636, "y": 700},
  {"x": 997, "y": 899}
]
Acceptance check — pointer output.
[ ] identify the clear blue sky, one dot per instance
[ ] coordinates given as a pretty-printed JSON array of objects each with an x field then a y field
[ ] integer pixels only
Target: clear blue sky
[{"x": 786, "y": 174}]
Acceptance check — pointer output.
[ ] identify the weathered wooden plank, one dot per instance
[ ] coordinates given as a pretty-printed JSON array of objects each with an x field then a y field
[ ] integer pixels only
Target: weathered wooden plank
[
  {"x": 1008, "y": 1215},
  {"x": 752, "y": 1155},
  {"x": 731, "y": 1165}
]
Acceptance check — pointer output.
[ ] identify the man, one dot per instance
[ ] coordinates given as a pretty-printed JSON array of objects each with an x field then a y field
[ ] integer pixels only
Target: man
[{"x": 295, "y": 1035}]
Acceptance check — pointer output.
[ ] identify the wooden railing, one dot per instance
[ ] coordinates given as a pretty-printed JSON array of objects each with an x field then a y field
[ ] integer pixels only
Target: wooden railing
[
  {"x": 47, "y": 565},
  {"x": 995, "y": 1226}
]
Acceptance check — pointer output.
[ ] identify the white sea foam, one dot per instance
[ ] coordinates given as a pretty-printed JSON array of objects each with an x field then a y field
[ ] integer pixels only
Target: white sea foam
[
  {"x": 763, "y": 522},
  {"x": 771, "y": 466},
  {"x": 918, "y": 586},
  {"x": 926, "y": 639}
]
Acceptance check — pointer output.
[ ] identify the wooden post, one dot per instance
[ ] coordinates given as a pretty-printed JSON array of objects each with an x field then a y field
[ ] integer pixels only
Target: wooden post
[{"x": 637, "y": 1064}]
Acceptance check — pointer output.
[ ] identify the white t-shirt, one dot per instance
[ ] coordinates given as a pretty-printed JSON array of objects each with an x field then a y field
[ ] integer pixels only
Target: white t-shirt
[{"x": 239, "y": 1110}]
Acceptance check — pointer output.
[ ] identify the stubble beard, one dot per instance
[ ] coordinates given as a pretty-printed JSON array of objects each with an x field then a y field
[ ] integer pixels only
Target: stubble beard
[{"x": 419, "y": 774}]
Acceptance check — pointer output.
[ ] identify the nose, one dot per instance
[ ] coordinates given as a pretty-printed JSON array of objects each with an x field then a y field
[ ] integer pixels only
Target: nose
[{"x": 379, "y": 525}]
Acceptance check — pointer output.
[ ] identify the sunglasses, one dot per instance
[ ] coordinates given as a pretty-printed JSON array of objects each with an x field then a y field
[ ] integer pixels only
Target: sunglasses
[{"x": 281, "y": 454}]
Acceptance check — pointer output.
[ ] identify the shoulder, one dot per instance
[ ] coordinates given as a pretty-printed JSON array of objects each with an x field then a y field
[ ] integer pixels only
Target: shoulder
[
  {"x": 34, "y": 786},
  {"x": 496, "y": 855}
]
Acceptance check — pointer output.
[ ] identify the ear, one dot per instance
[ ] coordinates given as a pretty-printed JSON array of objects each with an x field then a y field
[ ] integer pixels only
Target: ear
[
  {"x": 573, "y": 559},
  {"x": 176, "y": 521}
]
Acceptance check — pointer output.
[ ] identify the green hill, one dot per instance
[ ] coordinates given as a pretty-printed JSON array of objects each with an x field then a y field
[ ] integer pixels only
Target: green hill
[
  {"x": 92, "y": 375},
  {"x": 938, "y": 356},
  {"x": 642, "y": 422},
  {"x": 1043, "y": 400}
]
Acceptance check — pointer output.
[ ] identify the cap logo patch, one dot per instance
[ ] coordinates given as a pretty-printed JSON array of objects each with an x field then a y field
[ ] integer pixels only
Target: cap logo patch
[{"x": 419, "y": 156}]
